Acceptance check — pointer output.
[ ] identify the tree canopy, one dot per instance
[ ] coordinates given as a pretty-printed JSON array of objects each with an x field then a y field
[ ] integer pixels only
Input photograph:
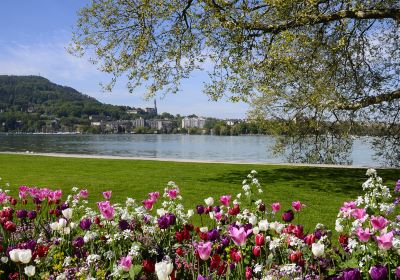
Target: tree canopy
[{"x": 322, "y": 60}]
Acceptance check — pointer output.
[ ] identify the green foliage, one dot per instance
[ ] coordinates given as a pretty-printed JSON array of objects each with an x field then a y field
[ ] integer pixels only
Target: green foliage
[{"x": 28, "y": 103}]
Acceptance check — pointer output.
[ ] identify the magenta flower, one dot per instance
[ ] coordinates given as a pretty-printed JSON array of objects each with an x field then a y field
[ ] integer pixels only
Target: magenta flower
[
  {"x": 173, "y": 193},
  {"x": 297, "y": 205},
  {"x": 239, "y": 236},
  {"x": 125, "y": 263},
  {"x": 225, "y": 200},
  {"x": 379, "y": 223},
  {"x": 154, "y": 196},
  {"x": 84, "y": 193},
  {"x": 347, "y": 206},
  {"x": 385, "y": 241},
  {"x": 359, "y": 213},
  {"x": 204, "y": 249},
  {"x": 276, "y": 206},
  {"x": 107, "y": 195},
  {"x": 106, "y": 209},
  {"x": 363, "y": 235},
  {"x": 148, "y": 203}
]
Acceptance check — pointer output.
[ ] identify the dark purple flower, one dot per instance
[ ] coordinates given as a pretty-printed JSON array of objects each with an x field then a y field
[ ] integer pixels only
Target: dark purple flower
[
  {"x": 22, "y": 214},
  {"x": 225, "y": 241},
  {"x": 123, "y": 225},
  {"x": 217, "y": 209},
  {"x": 200, "y": 209},
  {"x": 247, "y": 227},
  {"x": 318, "y": 234},
  {"x": 64, "y": 206},
  {"x": 398, "y": 272},
  {"x": 78, "y": 242},
  {"x": 32, "y": 214},
  {"x": 85, "y": 224},
  {"x": 232, "y": 266},
  {"x": 171, "y": 219},
  {"x": 352, "y": 274},
  {"x": 397, "y": 200},
  {"x": 378, "y": 272},
  {"x": 288, "y": 216},
  {"x": 213, "y": 235}
]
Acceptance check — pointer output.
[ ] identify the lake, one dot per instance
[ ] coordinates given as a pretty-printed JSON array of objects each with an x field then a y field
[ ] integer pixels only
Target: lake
[{"x": 166, "y": 146}]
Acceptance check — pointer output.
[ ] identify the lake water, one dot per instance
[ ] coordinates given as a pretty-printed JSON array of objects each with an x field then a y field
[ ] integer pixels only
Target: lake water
[{"x": 192, "y": 147}]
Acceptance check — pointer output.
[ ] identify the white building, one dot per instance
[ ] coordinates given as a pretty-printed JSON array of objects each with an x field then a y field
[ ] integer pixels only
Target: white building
[{"x": 193, "y": 122}]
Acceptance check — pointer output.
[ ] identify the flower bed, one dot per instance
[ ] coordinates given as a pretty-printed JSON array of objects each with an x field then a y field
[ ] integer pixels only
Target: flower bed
[{"x": 45, "y": 237}]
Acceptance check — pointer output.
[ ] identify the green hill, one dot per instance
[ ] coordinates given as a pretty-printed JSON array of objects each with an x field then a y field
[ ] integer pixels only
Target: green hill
[{"x": 29, "y": 103}]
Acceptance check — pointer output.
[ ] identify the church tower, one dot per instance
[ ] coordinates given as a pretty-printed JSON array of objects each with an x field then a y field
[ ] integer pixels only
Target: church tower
[{"x": 155, "y": 107}]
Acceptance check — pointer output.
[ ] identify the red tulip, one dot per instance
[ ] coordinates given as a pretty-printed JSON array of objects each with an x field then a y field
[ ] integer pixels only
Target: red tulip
[
  {"x": 260, "y": 239},
  {"x": 256, "y": 251}
]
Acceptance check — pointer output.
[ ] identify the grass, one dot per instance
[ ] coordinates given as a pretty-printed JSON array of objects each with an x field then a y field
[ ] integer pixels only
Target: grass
[{"x": 323, "y": 190}]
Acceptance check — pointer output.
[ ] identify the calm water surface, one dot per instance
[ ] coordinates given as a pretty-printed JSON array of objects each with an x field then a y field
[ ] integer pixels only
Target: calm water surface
[{"x": 194, "y": 147}]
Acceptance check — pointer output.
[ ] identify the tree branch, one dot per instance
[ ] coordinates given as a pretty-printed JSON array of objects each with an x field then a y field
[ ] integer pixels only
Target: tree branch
[
  {"x": 370, "y": 100},
  {"x": 317, "y": 19}
]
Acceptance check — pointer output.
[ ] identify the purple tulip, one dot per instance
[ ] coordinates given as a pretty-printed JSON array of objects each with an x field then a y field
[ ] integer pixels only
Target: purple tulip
[
  {"x": 123, "y": 225},
  {"x": 32, "y": 215},
  {"x": 352, "y": 274},
  {"x": 318, "y": 234},
  {"x": 171, "y": 219},
  {"x": 378, "y": 272},
  {"x": 217, "y": 209},
  {"x": 78, "y": 242},
  {"x": 200, "y": 209},
  {"x": 213, "y": 235},
  {"x": 22, "y": 214},
  {"x": 288, "y": 216},
  {"x": 85, "y": 224},
  {"x": 225, "y": 241},
  {"x": 398, "y": 272}
]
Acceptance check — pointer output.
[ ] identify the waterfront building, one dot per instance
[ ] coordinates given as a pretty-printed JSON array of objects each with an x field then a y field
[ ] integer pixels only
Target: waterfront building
[{"x": 193, "y": 122}]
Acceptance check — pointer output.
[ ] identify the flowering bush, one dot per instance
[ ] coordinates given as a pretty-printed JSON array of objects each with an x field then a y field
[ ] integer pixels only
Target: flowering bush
[{"x": 45, "y": 237}]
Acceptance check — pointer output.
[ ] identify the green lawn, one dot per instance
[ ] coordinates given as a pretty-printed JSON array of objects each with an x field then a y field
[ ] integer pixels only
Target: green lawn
[{"x": 323, "y": 190}]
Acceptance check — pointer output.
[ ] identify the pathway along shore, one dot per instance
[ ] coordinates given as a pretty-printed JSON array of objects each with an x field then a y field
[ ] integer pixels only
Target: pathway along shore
[{"x": 63, "y": 155}]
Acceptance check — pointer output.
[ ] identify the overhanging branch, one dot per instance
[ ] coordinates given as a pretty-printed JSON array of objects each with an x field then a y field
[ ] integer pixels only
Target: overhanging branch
[
  {"x": 317, "y": 19},
  {"x": 369, "y": 101}
]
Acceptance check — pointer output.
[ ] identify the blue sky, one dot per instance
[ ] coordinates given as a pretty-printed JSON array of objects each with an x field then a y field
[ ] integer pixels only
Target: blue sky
[{"x": 33, "y": 39}]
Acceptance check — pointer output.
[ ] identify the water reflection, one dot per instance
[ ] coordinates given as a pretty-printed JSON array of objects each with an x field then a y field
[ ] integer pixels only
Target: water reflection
[{"x": 199, "y": 147}]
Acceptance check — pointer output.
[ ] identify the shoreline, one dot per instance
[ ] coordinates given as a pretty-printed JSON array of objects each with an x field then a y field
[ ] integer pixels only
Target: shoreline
[{"x": 88, "y": 156}]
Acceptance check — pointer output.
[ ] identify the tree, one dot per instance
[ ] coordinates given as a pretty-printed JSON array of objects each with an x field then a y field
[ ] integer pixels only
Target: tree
[{"x": 327, "y": 61}]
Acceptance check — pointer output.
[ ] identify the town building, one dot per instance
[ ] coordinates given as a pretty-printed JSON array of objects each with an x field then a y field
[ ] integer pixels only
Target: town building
[{"x": 193, "y": 122}]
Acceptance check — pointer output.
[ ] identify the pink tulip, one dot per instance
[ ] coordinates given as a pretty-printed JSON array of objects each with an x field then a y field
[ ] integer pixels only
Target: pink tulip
[
  {"x": 106, "y": 209},
  {"x": 107, "y": 195},
  {"x": 239, "y": 235},
  {"x": 276, "y": 206},
  {"x": 225, "y": 200},
  {"x": 172, "y": 193},
  {"x": 347, "y": 206},
  {"x": 126, "y": 263},
  {"x": 154, "y": 195},
  {"x": 363, "y": 235},
  {"x": 218, "y": 216},
  {"x": 385, "y": 241},
  {"x": 84, "y": 193},
  {"x": 204, "y": 249},
  {"x": 359, "y": 213},
  {"x": 148, "y": 204},
  {"x": 378, "y": 222},
  {"x": 297, "y": 205}
]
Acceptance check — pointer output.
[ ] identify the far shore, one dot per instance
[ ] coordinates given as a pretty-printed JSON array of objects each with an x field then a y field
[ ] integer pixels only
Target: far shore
[{"x": 88, "y": 156}]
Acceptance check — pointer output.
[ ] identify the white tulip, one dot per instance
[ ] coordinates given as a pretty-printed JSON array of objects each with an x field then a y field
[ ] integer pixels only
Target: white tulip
[
  {"x": 73, "y": 225},
  {"x": 263, "y": 225},
  {"x": 209, "y": 201},
  {"x": 163, "y": 270},
  {"x": 161, "y": 212},
  {"x": 318, "y": 249},
  {"x": 14, "y": 255},
  {"x": 253, "y": 220},
  {"x": 256, "y": 230},
  {"x": 4, "y": 259},
  {"x": 203, "y": 229},
  {"x": 54, "y": 226},
  {"x": 67, "y": 213},
  {"x": 25, "y": 256},
  {"x": 30, "y": 270},
  {"x": 190, "y": 213},
  {"x": 62, "y": 223}
]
